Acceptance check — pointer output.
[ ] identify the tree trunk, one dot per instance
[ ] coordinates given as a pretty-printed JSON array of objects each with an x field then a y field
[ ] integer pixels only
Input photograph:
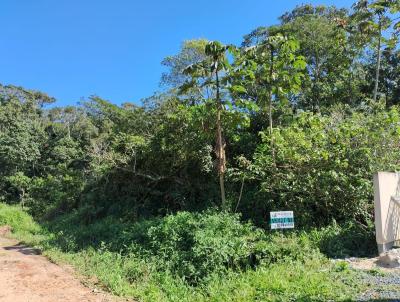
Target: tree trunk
[
  {"x": 271, "y": 73},
  {"x": 220, "y": 144},
  {"x": 240, "y": 194},
  {"x": 378, "y": 61},
  {"x": 222, "y": 189}
]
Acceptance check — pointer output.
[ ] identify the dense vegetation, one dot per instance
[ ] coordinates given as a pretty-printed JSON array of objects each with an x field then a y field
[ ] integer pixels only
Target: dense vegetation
[
  {"x": 172, "y": 197},
  {"x": 206, "y": 256}
]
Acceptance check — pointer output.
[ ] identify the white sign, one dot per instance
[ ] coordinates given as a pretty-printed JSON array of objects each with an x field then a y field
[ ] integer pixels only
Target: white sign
[{"x": 282, "y": 220}]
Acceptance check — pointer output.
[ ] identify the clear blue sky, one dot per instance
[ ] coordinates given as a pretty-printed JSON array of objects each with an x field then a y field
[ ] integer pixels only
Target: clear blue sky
[{"x": 113, "y": 48}]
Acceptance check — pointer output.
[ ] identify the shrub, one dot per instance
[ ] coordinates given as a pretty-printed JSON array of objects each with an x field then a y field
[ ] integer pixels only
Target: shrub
[
  {"x": 348, "y": 240},
  {"x": 322, "y": 167},
  {"x": 194, "y": 246},
  {"x": 19, "y": 220},
  {"x": 209, "y": 256}
]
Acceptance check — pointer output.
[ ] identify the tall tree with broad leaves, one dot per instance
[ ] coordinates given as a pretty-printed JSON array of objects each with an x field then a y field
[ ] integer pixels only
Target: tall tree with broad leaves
[
  {"x": 272, "y": 70},
  {"x": 330, "y": 52},
  {"x": 375, "y": 18},
  {"x": 209, "y": 72}
]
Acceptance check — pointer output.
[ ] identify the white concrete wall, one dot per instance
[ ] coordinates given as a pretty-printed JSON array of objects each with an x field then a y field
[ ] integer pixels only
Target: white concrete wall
[{"x": 387, "y": 209}]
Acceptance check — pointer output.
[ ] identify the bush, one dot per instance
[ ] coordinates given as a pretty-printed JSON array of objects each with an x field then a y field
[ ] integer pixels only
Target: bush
[
  {"x": 349, "y": 240},
  {"x": 194, "y": 246},
  {"x": 291, "y": 247},
  {"x": 190, "y": 245},
  {"x": 322, "y": 167},
  {"x": 209, "y": 256},
  {"x": 19, "y": 220}
]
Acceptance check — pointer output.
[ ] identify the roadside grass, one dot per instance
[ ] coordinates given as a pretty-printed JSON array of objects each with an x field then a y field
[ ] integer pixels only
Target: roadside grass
[
  {"x": 313, "y": 280},
  {"x": 21, "y": 222},
  {"x": 189, "y": 257}
]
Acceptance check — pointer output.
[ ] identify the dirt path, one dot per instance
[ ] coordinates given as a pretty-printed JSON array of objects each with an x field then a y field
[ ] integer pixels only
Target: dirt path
[{"x": 26, "y": 276}]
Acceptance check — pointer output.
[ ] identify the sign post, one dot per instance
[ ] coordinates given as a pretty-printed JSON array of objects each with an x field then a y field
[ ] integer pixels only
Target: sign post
[{"x": 282, "y": 220}]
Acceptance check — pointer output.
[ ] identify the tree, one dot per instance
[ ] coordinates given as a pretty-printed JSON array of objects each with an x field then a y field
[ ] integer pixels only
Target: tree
[
  {"x": 192, "y": 52},
  {"x": 389, "y": 76},
  {"x": 22, "y": 184},
  {"x": 32, "y": 97},
  {"x": 273, "y": 70},
  {"x": 373, "y": 19},
  {"x": 329, "y": 52},
  {"x": 21, "y": 132},
  {"x": 332, "y": 73},
  {"x": 210, "y": 71}
]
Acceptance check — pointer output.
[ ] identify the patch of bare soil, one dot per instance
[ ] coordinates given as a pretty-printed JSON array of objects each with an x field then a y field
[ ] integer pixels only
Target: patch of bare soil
[
  {"x": 5, "y": 230},
  {"x": 25, "y": 276},
  {"x": 381, "y": 275},
  {"x": 387, "y": 263}
]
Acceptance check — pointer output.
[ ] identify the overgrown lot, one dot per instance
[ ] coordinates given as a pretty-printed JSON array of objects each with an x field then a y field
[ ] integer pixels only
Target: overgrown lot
[
  {"x": 208, "y": 256},
  {"x": 169, "y": 198}
]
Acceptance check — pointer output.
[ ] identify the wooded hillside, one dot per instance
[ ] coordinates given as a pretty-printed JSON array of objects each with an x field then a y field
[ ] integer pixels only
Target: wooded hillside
[{"x": 298, "y": 117}]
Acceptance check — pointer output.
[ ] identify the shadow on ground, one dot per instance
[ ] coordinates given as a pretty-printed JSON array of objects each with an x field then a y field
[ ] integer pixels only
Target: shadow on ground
[{"x": 23, "y": 249}]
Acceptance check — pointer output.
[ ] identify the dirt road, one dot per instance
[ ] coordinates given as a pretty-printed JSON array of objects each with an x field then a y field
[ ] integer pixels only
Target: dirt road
[{"x": 26, "y": 276}]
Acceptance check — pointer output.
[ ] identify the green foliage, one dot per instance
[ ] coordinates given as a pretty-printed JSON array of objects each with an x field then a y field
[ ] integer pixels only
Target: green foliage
[
  {"x": 192, "y": 52},
  {"x": 330, "y": 49},
  {"x": 154, "y": 159},
  {"x": 54, "y": 195},
  {"x": 21, "y": 222},
  {"x": 193, "y": 246},
  {"x": 128, "y": 276},
  {"x": 20, "y": 135},
  {"x": 323, "y": 166},
  {"x": 351, "y": 239},
  {"x": 21, "y": 183},
  {"x": 267, "y": 74},
  {"x": 153, "y": 259},
  {"x": 129, "y": 193},
  {"x": 276, "y": 65}
]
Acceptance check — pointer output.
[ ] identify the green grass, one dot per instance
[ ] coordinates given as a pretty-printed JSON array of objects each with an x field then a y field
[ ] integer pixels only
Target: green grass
[
  {"x": 189, "y": 257},
  {"x": 313, "y": 280},
  {"x": 21, "y": 222}
]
